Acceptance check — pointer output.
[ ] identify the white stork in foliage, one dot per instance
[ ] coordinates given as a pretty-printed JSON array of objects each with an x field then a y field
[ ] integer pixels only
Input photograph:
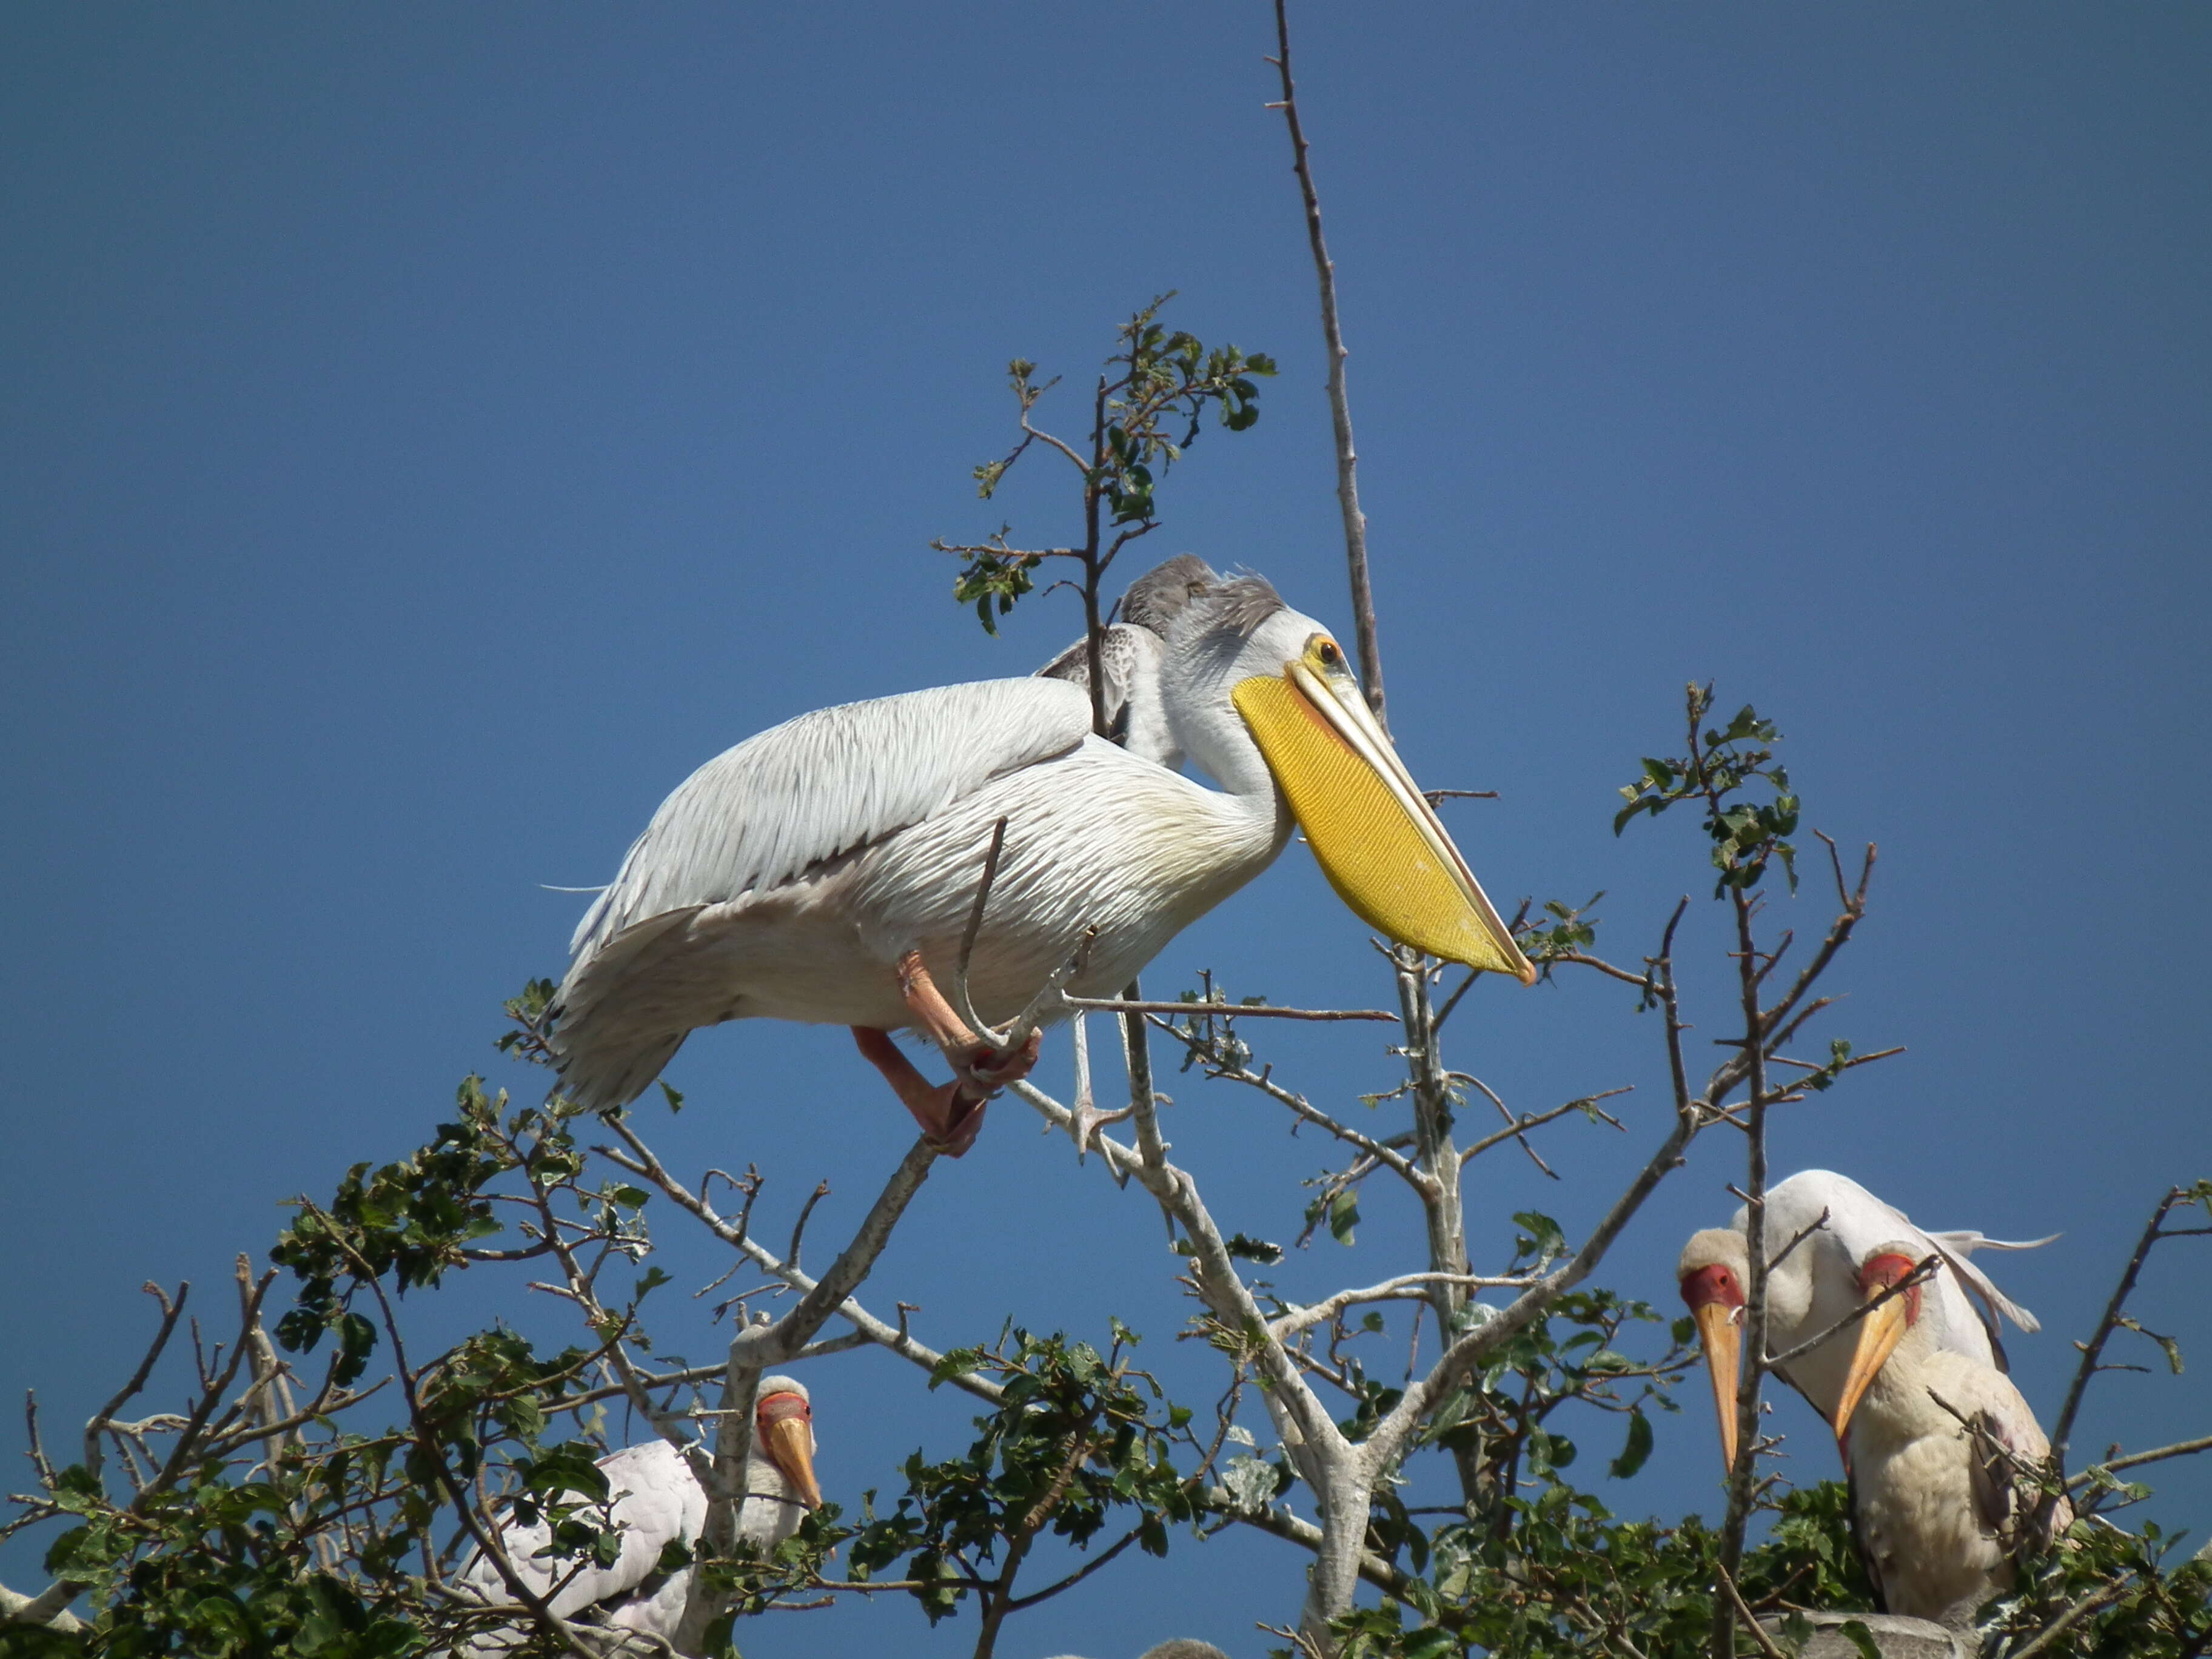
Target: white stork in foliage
[
  {"x": 826, "y": 871},
  {"x": 1945, "y": 1458},
  {"x": 657, "y": 1501},
  {"x": 1816, "y": 1284}
]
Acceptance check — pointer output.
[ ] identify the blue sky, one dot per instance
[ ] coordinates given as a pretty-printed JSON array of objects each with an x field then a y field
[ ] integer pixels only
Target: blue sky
[{"x": 429, "y": 433}]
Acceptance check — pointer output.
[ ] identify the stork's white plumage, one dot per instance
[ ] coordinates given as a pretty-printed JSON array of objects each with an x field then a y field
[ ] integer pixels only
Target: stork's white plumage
[
  {"x": 657, "y": 1501},
  {"x": 826, "y": 871},
  {"x": 1816, "y": 1284},
  {"x": 1944, "y": 1455}
]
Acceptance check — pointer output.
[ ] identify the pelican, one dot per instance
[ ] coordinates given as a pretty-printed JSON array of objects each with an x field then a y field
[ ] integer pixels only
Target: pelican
[
  {"x": 1129, "y": 658},
  {"x": 1943, "y": 1453},
  {"x": 1816, "y": 1284},
  {"x": 826, "y": 870},
  {"x": 657, "y": 1501}
]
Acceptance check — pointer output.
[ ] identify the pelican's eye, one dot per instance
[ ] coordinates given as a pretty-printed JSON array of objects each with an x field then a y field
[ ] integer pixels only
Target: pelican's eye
[{"x": 1328, "y": 655}]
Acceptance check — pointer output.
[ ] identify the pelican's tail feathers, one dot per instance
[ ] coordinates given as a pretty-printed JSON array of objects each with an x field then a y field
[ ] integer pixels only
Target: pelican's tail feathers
[{"x": 612, "y": 1035}]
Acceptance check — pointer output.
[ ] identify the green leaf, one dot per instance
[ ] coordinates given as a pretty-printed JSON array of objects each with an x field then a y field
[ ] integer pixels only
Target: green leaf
[
  {"x": 675, "y": 1099},
  {"x": 1544, "y": 1238},
  {"x": 1637, "y": 1448},
  {"x": 1343, "y": 1216},
  {"x": 1852, "y": 1629},
  {"x": 958, "y": 1363}
]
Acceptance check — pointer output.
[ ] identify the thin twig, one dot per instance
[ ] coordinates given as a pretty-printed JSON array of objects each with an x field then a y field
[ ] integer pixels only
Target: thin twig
[
  {"x": 1537, "y": 1120},
  {"x": 1404, "y": 1287},
  {"x": 1804, "y": 1233},
  {"x": 1339, "y": 405},
  {"x": 1225, "y": 1011},
  {"x": 1743, "y": 1611},
  {"x": 1437, "y": 1020},
  {"x": 2073, "y": 1616},
  {"x": 100, "y": 1419},
  {"x": 1920, "y": 1275},
  {"x": 798, "y": 1228},
  {"x": 2094, "y": 1348},
  {"x": 975, "y": 923},
  {"x": 2179, "y": 1449},
  {"x": 1305, "y": 1108}
]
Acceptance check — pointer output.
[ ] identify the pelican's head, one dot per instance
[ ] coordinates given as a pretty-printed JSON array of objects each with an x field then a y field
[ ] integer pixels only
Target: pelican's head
[
  {"x": 783, "y": 1428},
  {"x": 1297, "y": 707},
  {"x": 1714, "y": 1269},
  {"x": 1881, "y": 1330},
  {"x": 1155, "y": 598}
]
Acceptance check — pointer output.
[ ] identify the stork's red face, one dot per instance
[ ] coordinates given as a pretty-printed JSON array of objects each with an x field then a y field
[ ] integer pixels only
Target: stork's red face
[
  {"x": 1715, "y": 1295},
  {"x": 1714, "y": 1286},
  {"x": 783, "y": 1427},
  {"x": 1885, "y": 1268},
  {"x": 1881, "y": 1330}
]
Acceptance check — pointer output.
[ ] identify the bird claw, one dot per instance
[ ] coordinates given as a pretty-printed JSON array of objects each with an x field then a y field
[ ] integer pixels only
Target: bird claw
[
  {"x": 988, "y": 1069},
  {"x": 981, "y": 1071},
  {"x": 1085, "y": 1121},
  {"x": 962, "y": 1121}
]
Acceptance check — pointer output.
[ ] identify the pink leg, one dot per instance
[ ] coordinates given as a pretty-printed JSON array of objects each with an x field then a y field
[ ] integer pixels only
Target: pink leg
[
  {"x": 976, "y": 1060},
  {"x": 949, "y": 1113}
]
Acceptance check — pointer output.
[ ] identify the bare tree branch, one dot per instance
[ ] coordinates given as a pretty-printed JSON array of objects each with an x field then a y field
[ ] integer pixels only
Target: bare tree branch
[
  {"x": 2093, "y": 1349},
  {"x": 1339, "y": 405}
]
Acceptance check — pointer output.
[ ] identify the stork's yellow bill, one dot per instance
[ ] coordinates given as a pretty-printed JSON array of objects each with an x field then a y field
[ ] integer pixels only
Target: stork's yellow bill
[{"x": 1377, "y": 839}]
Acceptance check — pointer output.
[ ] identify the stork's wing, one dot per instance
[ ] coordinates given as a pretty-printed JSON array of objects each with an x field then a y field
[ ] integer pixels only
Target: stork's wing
[
  {"x": 2006, "y": 1457},
  {"x": 1957, "y": 1246},
  {"x": 1990, "y": 1472},
  {"x": 1859, "y": 1221},
  {"x": 825, "y": 783},
  {"x": 656, "y": 1502}
]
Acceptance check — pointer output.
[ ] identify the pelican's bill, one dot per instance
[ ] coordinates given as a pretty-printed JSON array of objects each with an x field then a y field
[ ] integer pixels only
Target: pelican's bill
[{"x": 1378, "y": 840}]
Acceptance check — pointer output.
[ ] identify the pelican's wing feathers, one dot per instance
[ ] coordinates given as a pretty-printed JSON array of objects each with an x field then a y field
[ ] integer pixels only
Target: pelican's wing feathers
[{"x": 825, "y": 783}]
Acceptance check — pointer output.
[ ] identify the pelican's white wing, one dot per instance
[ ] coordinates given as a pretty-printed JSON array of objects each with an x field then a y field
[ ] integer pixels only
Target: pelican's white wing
[
  {"x": 823, "y": 784},
  {"x": 751, "y": 823}
]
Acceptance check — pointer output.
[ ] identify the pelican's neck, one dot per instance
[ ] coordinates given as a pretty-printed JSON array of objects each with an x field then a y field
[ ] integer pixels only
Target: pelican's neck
[
  {"x": 1249, "y": 807},
  {"x": 1207, "y": 727}
]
